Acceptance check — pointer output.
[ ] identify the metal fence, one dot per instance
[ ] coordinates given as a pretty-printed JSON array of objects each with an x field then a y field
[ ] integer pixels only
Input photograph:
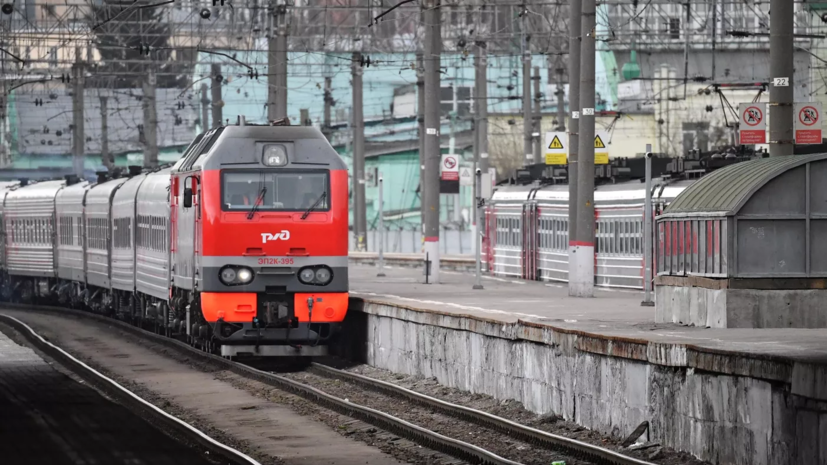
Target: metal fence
[{"x": 399, "y": 240}]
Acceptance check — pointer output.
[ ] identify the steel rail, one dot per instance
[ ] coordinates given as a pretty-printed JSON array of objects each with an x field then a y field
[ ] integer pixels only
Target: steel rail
[
  {"x": 530, "y": 435},
  {"x": 418, "y": 434}
]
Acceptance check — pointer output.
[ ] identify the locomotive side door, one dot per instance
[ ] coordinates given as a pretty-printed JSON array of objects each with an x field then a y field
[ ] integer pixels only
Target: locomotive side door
[{"x": 196, "y": 237}]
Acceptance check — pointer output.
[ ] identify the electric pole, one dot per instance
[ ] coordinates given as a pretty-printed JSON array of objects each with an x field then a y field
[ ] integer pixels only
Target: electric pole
[
  {"x": 433, "y": 156},
  {"x": 205, "y": 109},
  {"x": 782, "y": 137},
  {"x": 4, "y": 156},
  {"x": 481, "y": 106},
  {"x": 107, "y": 162},
  {"x": 575, "y": 9},
  {"x": 78, "y": 133},
  {"x": 561, "y": 102},
  {"x": 537, "y": 127},
  {"x": 527, "y": 139},
  {"x": 150, "y": 119},
  {"x": 277, "y": 63},
  {"x": 480, "y": 147},
  {"x": 328, "y": 105},
  {"x": 581, "y": 283},
  {"x": 217, "y": 102},
  {"x": 420, "y": 118},
  {"x": 360, "y": 221}
]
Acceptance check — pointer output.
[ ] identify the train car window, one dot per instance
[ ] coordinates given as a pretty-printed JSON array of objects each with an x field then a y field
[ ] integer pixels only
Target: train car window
[
  {"x": 279, "y": 190},
  {"x": 90, "y": 228},
  {"x": 138, "y": 232}
]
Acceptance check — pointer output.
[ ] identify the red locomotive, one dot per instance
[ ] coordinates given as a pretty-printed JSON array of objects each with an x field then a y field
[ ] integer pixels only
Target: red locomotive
[{"x": 241, "y": 246}]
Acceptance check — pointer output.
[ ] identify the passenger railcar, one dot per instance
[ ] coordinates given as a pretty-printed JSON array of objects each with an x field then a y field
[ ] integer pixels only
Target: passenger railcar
[
  {"x": 527, "y": 231},
  {"x": 240, "y": 247}
]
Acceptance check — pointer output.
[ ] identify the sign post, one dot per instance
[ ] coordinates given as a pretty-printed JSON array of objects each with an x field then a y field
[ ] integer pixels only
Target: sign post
[
  {"x": 808, "y": 123},
  {"x": 647, "y": 232},
  {"x": 556, "y": 148},
  {"x": 753, "y": 128}
]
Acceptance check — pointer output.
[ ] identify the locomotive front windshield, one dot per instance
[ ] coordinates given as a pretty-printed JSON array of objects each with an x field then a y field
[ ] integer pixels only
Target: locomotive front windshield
[{"x": 281, "y": 190}]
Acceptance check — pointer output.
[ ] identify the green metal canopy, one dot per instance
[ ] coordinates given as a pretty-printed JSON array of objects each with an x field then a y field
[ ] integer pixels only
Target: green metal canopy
[{"x": 727, "y": 190}]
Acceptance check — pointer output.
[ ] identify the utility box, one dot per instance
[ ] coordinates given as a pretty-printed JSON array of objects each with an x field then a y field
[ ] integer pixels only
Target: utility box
[{"x": 746, "y": 247}]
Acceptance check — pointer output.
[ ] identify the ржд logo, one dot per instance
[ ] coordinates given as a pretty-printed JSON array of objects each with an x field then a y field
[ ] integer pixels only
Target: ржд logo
[{"x": 281, "y": 236}]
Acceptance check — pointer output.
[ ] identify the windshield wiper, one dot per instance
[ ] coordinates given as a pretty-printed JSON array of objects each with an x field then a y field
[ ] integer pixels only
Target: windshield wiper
[
  {"x": 258, "y": 202},
  {"x": 315, "y": 204}
]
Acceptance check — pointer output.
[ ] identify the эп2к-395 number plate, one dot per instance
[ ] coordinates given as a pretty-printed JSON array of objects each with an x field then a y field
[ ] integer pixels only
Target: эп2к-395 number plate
[{"x": 275, "y": 261}]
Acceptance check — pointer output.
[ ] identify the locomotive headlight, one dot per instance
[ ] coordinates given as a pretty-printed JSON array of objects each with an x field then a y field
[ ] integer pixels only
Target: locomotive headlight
[
  {"x": 245, "y": 275},
  {"x": 227, "y": 276},
  {"x": 307, "y": 275},
  {"x": 323, "y": 276},
  {"x": 235, "y": 275},
  {"x": 274, "y": 155}
]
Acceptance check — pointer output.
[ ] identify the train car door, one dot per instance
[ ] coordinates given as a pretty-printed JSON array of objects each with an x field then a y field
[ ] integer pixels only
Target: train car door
[{"x": 529, "y": 231}]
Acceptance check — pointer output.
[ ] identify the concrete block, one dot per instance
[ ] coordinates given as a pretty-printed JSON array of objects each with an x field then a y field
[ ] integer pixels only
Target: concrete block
[
  {"x": 809, "y": 380},
  {"x": 716, "y": 301},
  {"x": 782, "y": 443},
  {"x": 807, "y": 440},
  {"x": 741, "y": 308},
  {"x": 822, "y": 436}
]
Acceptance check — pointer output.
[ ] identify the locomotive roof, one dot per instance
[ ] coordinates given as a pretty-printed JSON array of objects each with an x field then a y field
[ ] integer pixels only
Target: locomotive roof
[{"x": 243, "y": 145}]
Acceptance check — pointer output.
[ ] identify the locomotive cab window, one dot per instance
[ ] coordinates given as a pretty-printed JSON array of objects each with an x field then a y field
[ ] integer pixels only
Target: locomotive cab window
[{"x": 282, "y": 190}]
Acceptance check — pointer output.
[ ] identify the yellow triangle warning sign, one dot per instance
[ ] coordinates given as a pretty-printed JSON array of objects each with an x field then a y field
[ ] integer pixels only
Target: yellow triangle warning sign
[
  {"x": 598, "y": 143},
  {"x": 555, "y": 143}
]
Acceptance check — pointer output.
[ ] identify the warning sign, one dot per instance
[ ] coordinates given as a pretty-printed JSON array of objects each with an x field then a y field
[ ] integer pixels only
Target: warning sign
[
  {"x": 555, "y": 143},
  {"x": 601, "y": 150},
  {"x": 449, "y": 170},
  {"x": 753, "y": 129},
  {"x": 808, "y": 123},
  {"x": 466, "y": 176},
  {"x": 556, "y": 153}
]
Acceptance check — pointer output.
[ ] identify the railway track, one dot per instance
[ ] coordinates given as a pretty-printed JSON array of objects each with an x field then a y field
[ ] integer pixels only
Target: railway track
[
  {"x": 570, "y": 447},
  {"x": 577, "y": 450},
  {"x": 162, "y": 420}
]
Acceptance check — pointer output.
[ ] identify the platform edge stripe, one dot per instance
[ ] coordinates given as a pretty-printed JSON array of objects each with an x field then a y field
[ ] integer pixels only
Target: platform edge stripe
[
  {"x": 562, "y": 441},
  {"x": 131, "y": 394}
]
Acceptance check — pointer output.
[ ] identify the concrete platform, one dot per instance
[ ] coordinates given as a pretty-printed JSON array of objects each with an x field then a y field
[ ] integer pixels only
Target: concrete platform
[
  {"x": 46, "y": 417},
  {"x": 755, "y": 396}
]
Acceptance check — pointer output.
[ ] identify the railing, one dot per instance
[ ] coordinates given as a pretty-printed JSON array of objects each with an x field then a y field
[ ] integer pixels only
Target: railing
[{"x": 452, "y": 241}]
